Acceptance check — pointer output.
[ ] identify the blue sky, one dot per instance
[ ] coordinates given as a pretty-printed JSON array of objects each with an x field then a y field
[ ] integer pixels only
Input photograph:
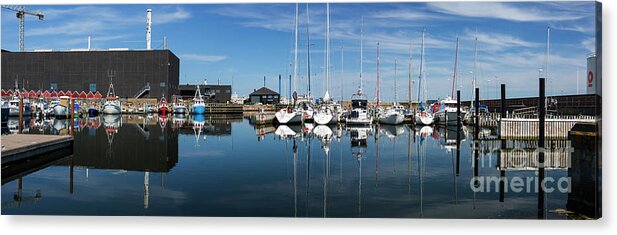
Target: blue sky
[{"x": 241, "y": 43}]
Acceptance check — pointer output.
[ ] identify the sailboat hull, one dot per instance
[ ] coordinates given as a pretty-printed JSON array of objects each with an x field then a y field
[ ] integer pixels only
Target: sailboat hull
[
  {"x": 324, "y": 118},
  {"x": 284, "y": 117},
  {"x": 392, "y": 118},
  {"x": 426, "y": 119}
]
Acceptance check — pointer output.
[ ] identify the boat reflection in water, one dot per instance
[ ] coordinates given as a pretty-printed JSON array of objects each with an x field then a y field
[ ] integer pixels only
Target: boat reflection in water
[{"x": 145, "y": 165}]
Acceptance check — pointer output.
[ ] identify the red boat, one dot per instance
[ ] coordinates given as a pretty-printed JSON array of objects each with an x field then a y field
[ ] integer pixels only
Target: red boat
[{"x": 163, "y": 109}]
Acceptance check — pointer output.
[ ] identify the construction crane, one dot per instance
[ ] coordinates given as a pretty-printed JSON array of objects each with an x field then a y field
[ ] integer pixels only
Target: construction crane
[{"x": 21, "y": 15}]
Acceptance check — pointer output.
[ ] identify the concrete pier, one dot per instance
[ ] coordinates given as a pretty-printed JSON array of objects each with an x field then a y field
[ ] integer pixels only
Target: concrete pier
[{"x": 22, "y": 146}]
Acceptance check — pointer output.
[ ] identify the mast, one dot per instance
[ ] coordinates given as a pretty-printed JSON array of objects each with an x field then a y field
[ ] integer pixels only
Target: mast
[
  {"x": 327, "y": 51},
  {"x": 378, "y": 95},
  {"x": 455, "y": 64},
  {"x": 308, "y": 47},
  {"x": 421, "y": 67},
  {"x": 361, "y": 55},
  {"x": 410, "y": 78},
  {"x": 475, "y": 61},
  {"x": 341, "y": 74},
  {"x": 395, "y": 77},
  {"x": 547, "y": 58},
  {"x": 296, "y": 51}
]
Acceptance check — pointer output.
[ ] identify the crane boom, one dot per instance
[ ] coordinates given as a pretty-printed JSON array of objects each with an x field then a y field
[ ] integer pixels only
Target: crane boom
[{"x": 21, "y": 15}]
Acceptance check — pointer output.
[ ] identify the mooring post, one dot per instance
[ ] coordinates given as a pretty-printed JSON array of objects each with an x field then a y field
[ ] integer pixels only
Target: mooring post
[
  {"x": 476, "y": 136},
  {"x": 21, "y": 113},
  {"x": 541, "y": 119},
  {"x": 72, "y": 110},
  {"x": 502, "y": 172},
  {"x": 458, "y": 131}
]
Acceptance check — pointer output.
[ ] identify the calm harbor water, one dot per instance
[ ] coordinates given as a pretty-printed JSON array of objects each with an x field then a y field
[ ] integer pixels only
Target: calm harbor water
[{"x": 225, "y": 166}]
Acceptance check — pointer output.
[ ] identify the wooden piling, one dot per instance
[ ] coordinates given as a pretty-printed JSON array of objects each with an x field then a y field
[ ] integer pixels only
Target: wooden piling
[
  {"x": 72, "y": 119},
  {"x": 458, "y": 131},
  {"x": 502, "y": 172},
  {"x": 541, "y": 136},
  {"x": 21, "y": 113}
]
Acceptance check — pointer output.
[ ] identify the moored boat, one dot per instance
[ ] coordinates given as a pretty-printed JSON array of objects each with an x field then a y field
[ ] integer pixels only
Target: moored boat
[
  {"x": 198, "y": 106},
  {"x": 112, "y": 103},
  {"x": 14, "y": 103},
  {"x": 179, "y": 107},
  {"x": 162, "y": 106}
]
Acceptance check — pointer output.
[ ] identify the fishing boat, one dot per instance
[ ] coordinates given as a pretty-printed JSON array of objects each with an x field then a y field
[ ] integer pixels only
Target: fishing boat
[
  {"x": 112, "y": 103},
  {"x": 198, "y": 106},
  {"x": 393, "y": 115},
  {"x": 423, "y": 116},
  {"x": 179, "y": 107},
  {"x": 162, "y": 107},
  {"x": 290, "y": 114}
]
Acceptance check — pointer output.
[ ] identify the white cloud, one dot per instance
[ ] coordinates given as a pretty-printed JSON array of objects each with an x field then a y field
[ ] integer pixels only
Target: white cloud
[
  {"x": 203, "y": 58},
  {"x": 498, "y": 42},
  {"x": 83, "y": 20},
  {"x": 503, "y": 11},
  {"x": 170, "y": 16},
  {"x": 589, "y": 44}
]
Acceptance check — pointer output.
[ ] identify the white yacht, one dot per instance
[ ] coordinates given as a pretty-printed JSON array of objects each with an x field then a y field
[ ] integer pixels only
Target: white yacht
[
  {"x": 14, "y": 107},
  {"x": 446, "y": 112},
  {"x": 359, "y": 114}
]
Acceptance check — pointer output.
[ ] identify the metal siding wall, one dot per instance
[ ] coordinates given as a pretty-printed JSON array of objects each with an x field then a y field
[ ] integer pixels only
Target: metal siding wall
[{"x": 76, "y": 70}]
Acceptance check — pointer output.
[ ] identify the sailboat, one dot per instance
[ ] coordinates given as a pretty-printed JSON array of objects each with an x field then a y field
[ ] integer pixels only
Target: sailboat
[
  {"x": 423, "y": 117},
  {"x": 289, "y": 114},
  {"x": 447, "y": 109},
  {"x": 112, "y": 103},
  {"x": 469, "y": 117},
  {"x": 409, "y": 112},
  {"x": 393, "y": 115},
  {"x": 359, "y": 114},
  {"x": 326, "y": 114},
  {"x": 198, "y": 106}
]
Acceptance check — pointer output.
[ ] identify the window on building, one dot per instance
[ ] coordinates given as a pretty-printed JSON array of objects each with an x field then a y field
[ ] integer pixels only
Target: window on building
[
  {"x": 217, "y": 91},
  {"x": 227, "y": 91},
  {"x": 92, "y": 87},
  {"x": 54, "y": 86},
  {"x": 162, "y": 84}
]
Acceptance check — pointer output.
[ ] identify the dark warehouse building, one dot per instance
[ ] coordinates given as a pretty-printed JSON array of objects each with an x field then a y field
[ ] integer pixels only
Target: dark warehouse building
[
  {"x": 210, "y": 93},
  {"x": 136, "y": 73}
]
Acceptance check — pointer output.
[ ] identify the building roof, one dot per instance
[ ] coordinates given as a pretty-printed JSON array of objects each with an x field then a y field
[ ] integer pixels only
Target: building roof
[{"x": 263, "y": 91}]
